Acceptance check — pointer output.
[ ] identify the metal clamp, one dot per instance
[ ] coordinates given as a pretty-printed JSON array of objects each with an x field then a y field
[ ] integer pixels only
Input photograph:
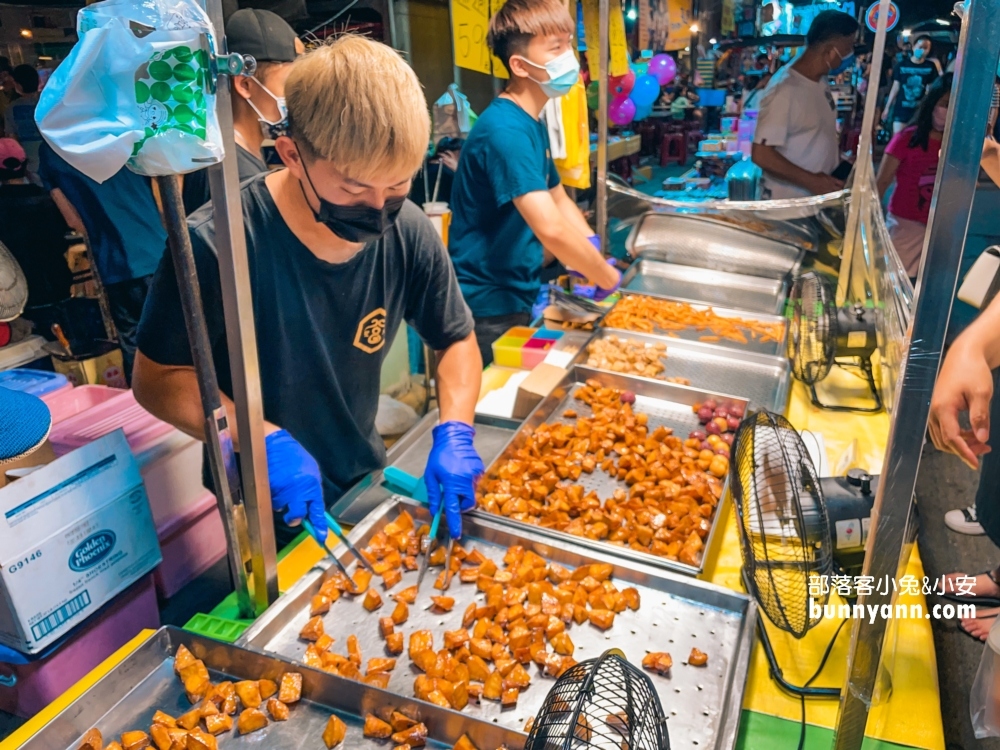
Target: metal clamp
[{"x": 226, "y": 64}]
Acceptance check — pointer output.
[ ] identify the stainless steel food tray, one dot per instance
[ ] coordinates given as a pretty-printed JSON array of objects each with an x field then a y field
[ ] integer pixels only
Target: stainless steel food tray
[
  {"x": 703, "y": 243},
  {"x": 760, "y": 378},
  {"x": 775, "y": 348},
  {"x": 705, "y": 286},
  {"x": 665, "y": 404},
  {"x": 675, "y": 614},
  {"x": 410, "y": 454},
  {"x": 128, "y": 696}
]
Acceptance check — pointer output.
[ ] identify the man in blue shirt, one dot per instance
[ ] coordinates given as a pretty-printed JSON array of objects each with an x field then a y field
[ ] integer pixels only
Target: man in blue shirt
[
  {"x": 122, "y": 223},
  {"x": 508, "y": 205}
]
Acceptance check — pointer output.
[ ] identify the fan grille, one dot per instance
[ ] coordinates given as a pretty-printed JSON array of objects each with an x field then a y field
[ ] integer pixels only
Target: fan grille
[
  {"x": 601, "y": 703},
  {"x": 812, "y": 338},
  {"x": 784, "y": 529}
]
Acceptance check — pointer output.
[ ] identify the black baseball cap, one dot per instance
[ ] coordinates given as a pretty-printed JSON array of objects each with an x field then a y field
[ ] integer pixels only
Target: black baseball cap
[{"x": 263, "y": 34}]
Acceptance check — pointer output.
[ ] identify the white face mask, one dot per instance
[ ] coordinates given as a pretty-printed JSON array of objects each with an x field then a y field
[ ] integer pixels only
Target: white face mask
[
  {"x": 271, "y": 129},
  {"x": 563, "y": 71}
]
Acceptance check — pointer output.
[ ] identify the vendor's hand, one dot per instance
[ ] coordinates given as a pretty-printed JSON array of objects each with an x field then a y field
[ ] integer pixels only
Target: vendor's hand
[
  {"x": 296, "y": 483},
  {"x": 452, "y": 471},
  {"x": 821, "y": 183},
  {"x": 965, "y": 383},
  {"x": 601, "y": 293},
  {"x": 595, "y": 240}
]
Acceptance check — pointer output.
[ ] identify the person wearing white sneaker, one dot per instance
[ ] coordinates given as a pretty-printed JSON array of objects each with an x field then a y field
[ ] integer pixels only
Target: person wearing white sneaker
[{"x": 964, "y": 521}]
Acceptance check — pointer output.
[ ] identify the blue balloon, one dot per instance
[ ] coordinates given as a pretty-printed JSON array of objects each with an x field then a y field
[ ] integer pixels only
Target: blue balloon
[
  {"x": 645, "y": 92},
  {"x": 641, "y": 113}
]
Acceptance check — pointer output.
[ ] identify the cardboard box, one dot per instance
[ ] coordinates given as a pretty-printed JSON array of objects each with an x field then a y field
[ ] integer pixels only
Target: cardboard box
[
  {"x": 72, "y": 535},
  {"x": 101, "y": 367},
  {"x": 535, "y": 387}
]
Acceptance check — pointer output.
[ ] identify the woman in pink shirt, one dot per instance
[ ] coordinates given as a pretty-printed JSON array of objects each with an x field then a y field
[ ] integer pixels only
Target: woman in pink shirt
[{"x": 911, "y": 159}]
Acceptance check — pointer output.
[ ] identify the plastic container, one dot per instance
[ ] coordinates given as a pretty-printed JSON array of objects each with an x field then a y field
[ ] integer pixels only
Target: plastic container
[
  {"x": 25, "y": 689},
  {"x": 507, "y": 351},
  {"x": 547, "y": 333},
  {"x": 191, "y": 543},
  {"x": 218, "y": 628},
  {"x": 36, "y": 382},
  {"x": 122, "y": 411},
  {"x": 22, "y": 353},
  {"x": 521, "y": 332},
  {"x": 534, "y": 351},
  {"x": 68, "y": 403}
]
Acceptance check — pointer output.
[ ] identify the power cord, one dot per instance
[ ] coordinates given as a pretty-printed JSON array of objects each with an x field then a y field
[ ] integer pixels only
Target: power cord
[{"x": 819, "y": 669}]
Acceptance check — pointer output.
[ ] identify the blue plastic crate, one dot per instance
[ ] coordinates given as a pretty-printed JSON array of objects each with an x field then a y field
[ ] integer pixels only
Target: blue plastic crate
[{"x": 35, "y": 382}]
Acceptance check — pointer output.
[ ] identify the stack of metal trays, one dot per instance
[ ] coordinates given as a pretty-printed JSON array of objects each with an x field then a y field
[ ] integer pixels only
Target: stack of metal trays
[
  {"x": 675, "y": 614},
  {"x": 762, "y": 379},
  {"x": 128, "y": 696}
]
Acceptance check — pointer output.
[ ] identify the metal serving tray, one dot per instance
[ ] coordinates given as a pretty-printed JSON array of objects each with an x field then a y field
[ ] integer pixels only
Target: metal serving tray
[
  {"x": 676, "y": 613},
  {"x": 665, "y": 404},
  {"x": 127, "y": 697},
  {"x": 760, "y": 378},
  {"x": 704, "y": 243},
  {"x": 410, "y": 454},
  {"x": 705, "y": 286},
  {"x": 774, "y": 348}
]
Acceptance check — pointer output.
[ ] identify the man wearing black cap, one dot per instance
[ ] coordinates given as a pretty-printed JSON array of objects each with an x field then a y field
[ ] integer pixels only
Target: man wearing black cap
[{"x": 258, "y": 101}]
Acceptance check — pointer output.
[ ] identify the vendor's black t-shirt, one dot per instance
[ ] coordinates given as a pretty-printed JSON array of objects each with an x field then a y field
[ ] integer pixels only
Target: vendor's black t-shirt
[
  {"x": 323, "y": 329},
  {"x": 196, "y": 193},
  {"x": 914, "y": 78}
]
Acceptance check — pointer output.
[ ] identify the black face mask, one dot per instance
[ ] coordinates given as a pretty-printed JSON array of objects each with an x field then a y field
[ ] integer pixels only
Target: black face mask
[{"x": 359, "y": 223}]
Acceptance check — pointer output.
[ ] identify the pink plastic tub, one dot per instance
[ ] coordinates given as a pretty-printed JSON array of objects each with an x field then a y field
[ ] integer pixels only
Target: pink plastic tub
[
  {"x": 68, "y": 403},
  {"x": 190, "y": 543},
  {"x": 38, "y": 683},
  {"x": 141, "y": 428}
]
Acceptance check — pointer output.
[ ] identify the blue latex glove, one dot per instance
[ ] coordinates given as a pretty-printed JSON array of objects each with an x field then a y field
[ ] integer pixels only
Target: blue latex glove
[
  {"x": 595, "y": 240},
  {"x": 601, "y": 293},
  {"x": 296, "y": 484},
  {"x": 452, "y": 470}
]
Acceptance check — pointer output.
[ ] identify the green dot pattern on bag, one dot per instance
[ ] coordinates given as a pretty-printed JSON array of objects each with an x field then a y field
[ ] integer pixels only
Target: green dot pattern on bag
[
  {"x": 161, "y": 91},
  {"x": 183, "y": 114},
  {"x": 183, "y": 54},
  {"x": 183, "y": 94},
  {"x": 170, "y": 92},
  {"x": 184, "y": 72},
  {"x": 160, "y": 70},
  {"x": 141, "y": 92}
]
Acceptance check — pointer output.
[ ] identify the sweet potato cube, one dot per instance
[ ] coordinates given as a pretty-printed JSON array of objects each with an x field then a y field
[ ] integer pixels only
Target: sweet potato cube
[
  {"x": 376, "y": 728},
  {"x": 415, "y": 736},
  {"x": 183, "y": 658},
  {"x": 401, "y": 613},
  {"x": 631, "y": 597},
  {"x": 251, "y": 720},
  {"x": 488, "y": 568},
  {"x": 178, "y": 739},
  {"x": 517, "y": 677},
  {"x": 464, "y": 743},
  {"x": 228, "y": 706},
  {"x": 319, "y": 605},
  {"x": 354, "y": 649},
  {"x": 334, "y": 733},
  {"x": 438, "y": 699},
  {"x": 386, "y": 626},
  {"x": 267, "y": 688},
  {"x": 601, "y": 618},
  {"x": 657, "y": 661},
  {"x": 406, "y": 596},
  {"x": 580, "y": 614},
  {"x": 379, "y": 679},
  {"x": 209, "y": 709},
  {"x": 454, "y": 639},
  {"x": 460, "y": 696},
  {"x": 160, "y": 735},
  {"x": 391, "y": 577},
  {"x": 361, "y": 580},
  {"x": 219, "y": 723},
  {"x": 697, "y": 658},
  {"x": 400, "y": 721},
  {"x": 277, "y": 709},
  {"x": 290, "y": 689},
  {"x": 116, "y": 746},
  {"x": 443, "y": 603},
  {"x": 313, "y": 629},
  {"x": 562, "y": 644},
  {"x": 92, "y": 739},
  {"x": 421, "y": 640},
  {"x": 380, "y": 665},
  {"x": 191, "y": 719},
  {"x": 509, "y": 697},
  {"x": 469, "y": 616},
  {"x": 394, "y": 643},
  {"x": 199, "y": 740},
  {"x": 249, "y": 693},
  {"x": 468, "y": 575},
  {"x": 135, "y": 740},
  {"x": 478, "y": 669},
  {"x": 493, "y": 688},
  {"x": 372, "y": 600}
]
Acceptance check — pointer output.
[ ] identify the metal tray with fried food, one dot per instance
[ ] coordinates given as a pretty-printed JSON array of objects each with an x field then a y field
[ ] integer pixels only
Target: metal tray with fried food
[
  {"x": 675, "y": 613},
  {"x": 144, "y": 682}
]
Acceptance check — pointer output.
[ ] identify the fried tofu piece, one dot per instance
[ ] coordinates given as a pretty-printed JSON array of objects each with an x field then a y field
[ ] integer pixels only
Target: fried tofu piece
[
  {"x": 249, "y": 693},
  {"x": 313, "y": 629},
  {"x": 401, "y": 613},
  {"x": 378, "y": 665},
  {"x": 290, "y": 689},
  {"x": 464, "y": 743},
  {"x": 372, "y": 600},
  {"x": 394, "y": 643},
  {"x": 657, "y": 661},
  {"x": 251, "y": 720},
  {"x": 277, "y": 710},
  {"x": 319, "y": 605},
  {"x": 183, "y": 658},
  {"x": 135, "y": 740},
  {"x": 443, "y": 603},
  {"x": 415, "y": 736},
  {"x": 93, "y": 740},
  {"x": 376, "y": 728},
  {"x": 199, "y": 740},
  {"x": 334, "y": 733},
  {"x": 697, "y": 658},
  {"x": 219, "y": 723}
]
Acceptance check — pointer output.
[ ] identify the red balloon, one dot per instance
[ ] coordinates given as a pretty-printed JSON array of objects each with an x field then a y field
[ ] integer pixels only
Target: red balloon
[{"x": 621, "y": 86}]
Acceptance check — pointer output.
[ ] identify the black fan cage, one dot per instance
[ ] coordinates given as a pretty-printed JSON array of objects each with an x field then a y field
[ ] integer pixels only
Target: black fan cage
[
  {"x": 784, "y": 528},
  {"x": 601, "y": 703},
  {"x": 812, "y": 335}
]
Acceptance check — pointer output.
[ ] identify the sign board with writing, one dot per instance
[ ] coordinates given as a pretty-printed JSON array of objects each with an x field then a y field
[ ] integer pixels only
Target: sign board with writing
[{"x": 470, "y": 20}]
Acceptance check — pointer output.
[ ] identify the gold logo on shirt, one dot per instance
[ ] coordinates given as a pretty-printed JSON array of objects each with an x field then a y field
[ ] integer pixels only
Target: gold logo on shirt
[{"x": 371, "y": 332}]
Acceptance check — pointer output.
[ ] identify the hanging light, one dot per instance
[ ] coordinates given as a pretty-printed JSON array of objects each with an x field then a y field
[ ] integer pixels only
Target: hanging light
[
  {"x": 694, "y": 28},
  {"x": 631, "y": 14}
]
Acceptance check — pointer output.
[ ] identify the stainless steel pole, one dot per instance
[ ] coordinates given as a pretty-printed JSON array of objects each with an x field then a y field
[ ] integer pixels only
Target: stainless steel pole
[
  {"x": 602, "y": 123},
  {"x": 860, "y": 192},
  {"x": 234, "y": 272},
  {"x": 958, "y": 171}
]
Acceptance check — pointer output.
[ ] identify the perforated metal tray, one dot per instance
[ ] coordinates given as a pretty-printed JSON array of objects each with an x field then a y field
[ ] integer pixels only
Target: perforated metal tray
[
  {"x": 128, "y": 696},
  {"x": 689, "y": 284},
  {"x": 695, "y": 241},
  {"x": 675, "y": 614},
  {"x": 760, "y": 378}
]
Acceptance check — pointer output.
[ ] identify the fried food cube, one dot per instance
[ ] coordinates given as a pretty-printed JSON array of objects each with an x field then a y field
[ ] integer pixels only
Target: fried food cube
[
  {"x": 438, "y": 699},
  {"x": 380, "y": 680},
  {"x": 583, "y": 731},
  {"x": 460, "y": 696},
  {"x": 219, "y": 723},
  {"x": 319, "y": 605},
  {"x": 631, "y": 597},
  {"x": 493, "y": 688},
  {"x": 601, "y": 618},
  {"x": 183, "y": 658},
  {"x": 443, "y": 603},
  {"x": 165, "y": 719},
  {"x": 394, "y": 643},
  {"x": 372, "y": 600},
  {"x": 426, "y": 661},
  {"x": 249, "y": 693},
  {"x": 322, "y": 644},
  {"x": 277, "y": 709},
  {"x": 313, "y": 629},
  {"x": 401, "y": 613},
  {"x": 415, "y": 736},
  {"x": 92, "y": 739},
  {"x": 464, "y": 743},
  {"x": 251, "y": 720},
  {"x": 391, "y": 577},
  {"x": 267, "y": 688},
  {"x": 376, "y": 728},
  {"x": 509, "y": 697},
  {"x": 421, "y": 640},
  {"x": 407, "y": 595},
  {"x": 697, "y": 658},
  {"x": 191, "y": 719},
  {"x": 160, "y": 735},
  {"x": 386, "y": 626},
  {"x": 400, "y": 721},
  {"x": 354, "y": 649},
  {"x": 335, "y": 732},
  {"x": 454, "y": 639},
  {"x": 135, "y": 740},
  {"x": 199, "y": 740},
  {"x": 229, "y": 705},
  {"x": 478, "y": 669},
  {"x": 290, "y": 687},
  {"x": 208, "y": 708},
  {"x": 379, "y": 665},
  {"x": 657, "y": 661},
  {"x": 562, "y": 644},
  {"x": 361, "y": 580}
]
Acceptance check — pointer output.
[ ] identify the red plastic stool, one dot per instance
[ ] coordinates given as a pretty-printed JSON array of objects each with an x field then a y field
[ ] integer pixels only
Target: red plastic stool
[
  {"x": 694, "y": 139},
  {"x": 673, "y": 148}
]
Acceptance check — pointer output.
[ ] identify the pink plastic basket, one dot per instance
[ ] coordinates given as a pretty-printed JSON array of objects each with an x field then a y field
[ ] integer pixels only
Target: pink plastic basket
[
  {"x": 142, "y": 429},
  {"x": 190, "y": 543},
  {"x": 68, "y": 403}
]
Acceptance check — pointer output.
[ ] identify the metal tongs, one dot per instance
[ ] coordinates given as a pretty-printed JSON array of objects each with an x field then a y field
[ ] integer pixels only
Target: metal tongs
[
  {"x": 431, "y": 538},
  {"x": 339, "y": 532}
]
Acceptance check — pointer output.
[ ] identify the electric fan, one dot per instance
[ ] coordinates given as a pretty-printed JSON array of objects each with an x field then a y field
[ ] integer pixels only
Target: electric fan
[
  {"x": 13, "y": 286},
  {"x": 601, "y": 703},
  {"x": 822, "y": 335},
  {"x": 793, "y": 525}
]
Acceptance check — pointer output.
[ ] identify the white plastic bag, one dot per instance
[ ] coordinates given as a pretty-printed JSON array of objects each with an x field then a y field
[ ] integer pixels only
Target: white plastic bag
[
  {"x": 135, "y": 90},
  {"x": 984, "y": 698}
]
